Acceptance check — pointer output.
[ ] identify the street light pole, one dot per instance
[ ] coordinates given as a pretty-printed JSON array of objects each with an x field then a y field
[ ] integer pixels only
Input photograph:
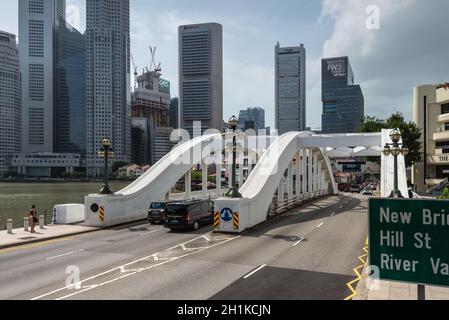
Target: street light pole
[
  {"x": 106, "y": 152},
  {"x": 395, "y": 149},
  {"x": 233, "y": 191}
]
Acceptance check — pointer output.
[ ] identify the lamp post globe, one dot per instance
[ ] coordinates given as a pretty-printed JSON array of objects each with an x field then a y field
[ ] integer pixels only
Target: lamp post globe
[
  {"x": 396, "y": 135},
  {"x": 105, "y": 152},
  {"x": 233, "y": 122}
]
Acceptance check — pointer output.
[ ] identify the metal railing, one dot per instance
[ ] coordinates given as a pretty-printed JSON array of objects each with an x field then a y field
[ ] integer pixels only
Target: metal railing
[{"x": 279, "y": 207}]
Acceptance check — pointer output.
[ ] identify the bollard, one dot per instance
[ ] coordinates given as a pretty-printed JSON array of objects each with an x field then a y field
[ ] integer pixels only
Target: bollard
[
  {"x": 26, "y": 224},
  {"x": 9, "y": 226},
  {"x": 41, "y": 222},
  {"x": 54, "y": 216}
]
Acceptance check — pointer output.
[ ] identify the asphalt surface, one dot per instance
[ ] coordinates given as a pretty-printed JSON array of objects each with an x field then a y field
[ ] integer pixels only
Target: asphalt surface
[{"x": 309, "y": 253}]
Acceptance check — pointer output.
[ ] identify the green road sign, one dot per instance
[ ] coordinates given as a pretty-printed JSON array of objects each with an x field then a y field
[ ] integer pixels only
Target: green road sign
[{"x": 409, "y": 240}]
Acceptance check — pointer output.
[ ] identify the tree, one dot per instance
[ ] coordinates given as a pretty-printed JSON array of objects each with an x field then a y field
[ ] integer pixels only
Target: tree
[
  {"x": 118, "y": 165},
  {"x": 411, "y": 134}
]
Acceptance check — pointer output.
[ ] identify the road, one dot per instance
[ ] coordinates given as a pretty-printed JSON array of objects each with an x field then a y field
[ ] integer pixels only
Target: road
[{"x": 308, "y": 253}]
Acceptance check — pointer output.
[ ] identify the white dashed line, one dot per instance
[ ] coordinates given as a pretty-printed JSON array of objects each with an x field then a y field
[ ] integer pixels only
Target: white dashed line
[
  {"x": 320, "y": 225},
  {"x": 255, "y": 271},
  {"x": 65, "y": 254},
  {"x": 150, "y": 232},
  {"x": 302, "y": 239}
]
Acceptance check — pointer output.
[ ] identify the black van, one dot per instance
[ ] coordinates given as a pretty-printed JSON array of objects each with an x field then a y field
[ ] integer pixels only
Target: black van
[
  {"x": 156, "y": 212},
  {"x": 188, "y": 215}
]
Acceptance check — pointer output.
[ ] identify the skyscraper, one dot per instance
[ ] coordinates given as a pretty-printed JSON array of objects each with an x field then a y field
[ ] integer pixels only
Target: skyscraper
[
  {"x": 70, "y": 110},
  {"x": 10, "y": 100},
  {"x": 256, "y": 115},
  {"x": 201, "y": 76},
  {"x": 108, "y": 80},
  {"x": 290, "y": 87},
  {"x": 174, "y": 113},
  {"x": 343, "y": 101},
  {"x": 39, "y": 25}
]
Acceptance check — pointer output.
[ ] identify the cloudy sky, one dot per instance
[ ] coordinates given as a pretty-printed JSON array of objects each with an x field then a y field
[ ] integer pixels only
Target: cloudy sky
[{"x": 393, "y": 45}]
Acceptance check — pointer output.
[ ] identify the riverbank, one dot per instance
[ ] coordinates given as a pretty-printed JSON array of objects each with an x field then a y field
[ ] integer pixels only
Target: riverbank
[{"x": 16, "y": 198}]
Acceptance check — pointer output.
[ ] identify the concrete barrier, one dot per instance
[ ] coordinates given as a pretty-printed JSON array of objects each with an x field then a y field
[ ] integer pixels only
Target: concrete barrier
[
  {"x": 68, "y": 214},
  {"x": 41, "y": 222}
]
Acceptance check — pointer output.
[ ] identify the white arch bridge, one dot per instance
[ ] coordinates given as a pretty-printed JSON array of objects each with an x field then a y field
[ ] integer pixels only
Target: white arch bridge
[{"x": 283, "y": 172}]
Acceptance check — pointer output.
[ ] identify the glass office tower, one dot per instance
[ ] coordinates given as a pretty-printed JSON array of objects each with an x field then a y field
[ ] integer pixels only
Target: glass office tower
[{"x": 343, "y": 101}]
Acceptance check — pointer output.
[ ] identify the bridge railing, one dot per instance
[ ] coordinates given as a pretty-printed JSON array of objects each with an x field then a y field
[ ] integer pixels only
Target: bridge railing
[{"x": 281, "y": 206}]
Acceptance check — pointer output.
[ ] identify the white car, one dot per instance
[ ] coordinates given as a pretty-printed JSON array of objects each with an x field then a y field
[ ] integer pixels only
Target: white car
[{"x": 368, "y": 191}]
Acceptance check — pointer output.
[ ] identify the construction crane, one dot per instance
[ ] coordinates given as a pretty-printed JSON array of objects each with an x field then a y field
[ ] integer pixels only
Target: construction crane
[
  {"x": 157, "y": 68},
  {"x": 135, "y": 71}
]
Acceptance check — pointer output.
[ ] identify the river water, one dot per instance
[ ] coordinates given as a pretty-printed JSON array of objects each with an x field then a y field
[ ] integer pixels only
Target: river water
[{"x": 16, "y": 199}]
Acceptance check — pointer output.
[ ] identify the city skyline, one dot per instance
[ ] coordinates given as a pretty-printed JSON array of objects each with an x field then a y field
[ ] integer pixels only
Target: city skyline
[{"x": 248, "y": 42}]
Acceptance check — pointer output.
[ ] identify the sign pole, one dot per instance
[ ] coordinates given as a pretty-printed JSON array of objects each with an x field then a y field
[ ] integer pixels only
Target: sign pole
[{"x": 421, "y": 292}]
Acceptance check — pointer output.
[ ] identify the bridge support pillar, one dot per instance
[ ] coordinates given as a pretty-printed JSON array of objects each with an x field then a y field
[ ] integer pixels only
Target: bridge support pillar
[
  {"x": 204, "y": 179},
  {"x": 188, "y": 184},
  {"x": 319, "y": 177},
  {"x": 290, "y": 181},
  {"x": 315, "y": 173},
  {"x": 310, "y": 172},
  {"x": 218, "y": 177},
  {"x": 304, "y": 172}
]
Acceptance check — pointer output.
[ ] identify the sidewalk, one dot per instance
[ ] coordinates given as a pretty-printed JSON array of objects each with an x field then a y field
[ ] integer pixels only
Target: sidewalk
[
  {"x": 20, "y": 237},
  {"x": 397, "y": 291}
]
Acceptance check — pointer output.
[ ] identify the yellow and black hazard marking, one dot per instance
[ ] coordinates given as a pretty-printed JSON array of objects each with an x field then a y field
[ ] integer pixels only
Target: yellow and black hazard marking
[
  {"x": 102, "y": 214},
  {"x": 216, "y": 219},
  {"x": 358, "y": 272},
  {"x": 236, "y": 221}
]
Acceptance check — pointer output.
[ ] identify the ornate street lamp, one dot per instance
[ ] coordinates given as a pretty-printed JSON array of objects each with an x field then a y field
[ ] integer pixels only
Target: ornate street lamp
[
  {"x": 395, "y": 149},
  {"x": 106, "y": 153},
  {"x": 233, "y": 191}
]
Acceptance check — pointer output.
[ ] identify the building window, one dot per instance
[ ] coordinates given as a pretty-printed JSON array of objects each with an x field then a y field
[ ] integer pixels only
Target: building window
[
  {"x": 445, "y": 108},
  {"x": 330, "y": 107}
]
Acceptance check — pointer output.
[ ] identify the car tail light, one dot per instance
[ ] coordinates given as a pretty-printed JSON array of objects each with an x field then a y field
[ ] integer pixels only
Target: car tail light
[{"x": 189, "y": 217}]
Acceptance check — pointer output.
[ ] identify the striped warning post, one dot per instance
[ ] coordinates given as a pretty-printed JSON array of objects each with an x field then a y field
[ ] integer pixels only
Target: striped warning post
[
  {"x": 236, "y": 221},
  {"x": 102, "y": 214},
  {"x": 216, "y": 219}
]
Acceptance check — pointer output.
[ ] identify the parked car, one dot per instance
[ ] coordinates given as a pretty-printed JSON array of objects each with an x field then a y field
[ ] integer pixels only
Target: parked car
[
  {"x": 343, "y": 187},
  {"x": 156, "y": 212},
  {"x": 188, "y": 215},
  {"x": 355, "y": 188},
  {"x": 368, "y": 191}
]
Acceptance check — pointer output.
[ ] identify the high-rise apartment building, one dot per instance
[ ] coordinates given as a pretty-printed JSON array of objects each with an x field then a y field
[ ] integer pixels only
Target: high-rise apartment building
[
  {"x": 256, "y": 115},
  {"x": 10, "y": 101},
  {"x": 290, "y": 88},
  {"x": 343, "y": 101},
  {"x": 201, "y": 76},
  {"x": 108, "y": 80}
]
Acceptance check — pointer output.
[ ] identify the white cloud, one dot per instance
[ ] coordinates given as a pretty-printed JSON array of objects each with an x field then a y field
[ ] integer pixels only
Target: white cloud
[{"x": 404, "y": 52}]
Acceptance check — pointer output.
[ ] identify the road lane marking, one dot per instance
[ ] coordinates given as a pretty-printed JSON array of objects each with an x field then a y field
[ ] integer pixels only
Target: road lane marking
[
  {"x": 65, "y": 254},
  {"x": 358, "y": 272},
  {"x": 302, "y": 239},
  {"x": 150, "y": 232},
  {"x": 120, "y": 268},
  {"x": 33, "y": 245},
  {"x": 254, "y": 272},
  {"x": 320, "y": 225}
]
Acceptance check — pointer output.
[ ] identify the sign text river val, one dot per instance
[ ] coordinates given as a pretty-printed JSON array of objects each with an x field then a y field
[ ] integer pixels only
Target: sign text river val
[{"x": 409, "y": 240}]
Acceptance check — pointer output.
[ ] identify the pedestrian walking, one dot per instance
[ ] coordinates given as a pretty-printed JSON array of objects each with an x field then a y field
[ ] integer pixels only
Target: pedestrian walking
[{"x": 33, "y": 218}]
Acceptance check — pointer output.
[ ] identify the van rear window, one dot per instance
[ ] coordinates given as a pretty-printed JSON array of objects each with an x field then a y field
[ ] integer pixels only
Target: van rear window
[
  {"x": 157, "y": 205},
  {"x": 176, "y": 209}
]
